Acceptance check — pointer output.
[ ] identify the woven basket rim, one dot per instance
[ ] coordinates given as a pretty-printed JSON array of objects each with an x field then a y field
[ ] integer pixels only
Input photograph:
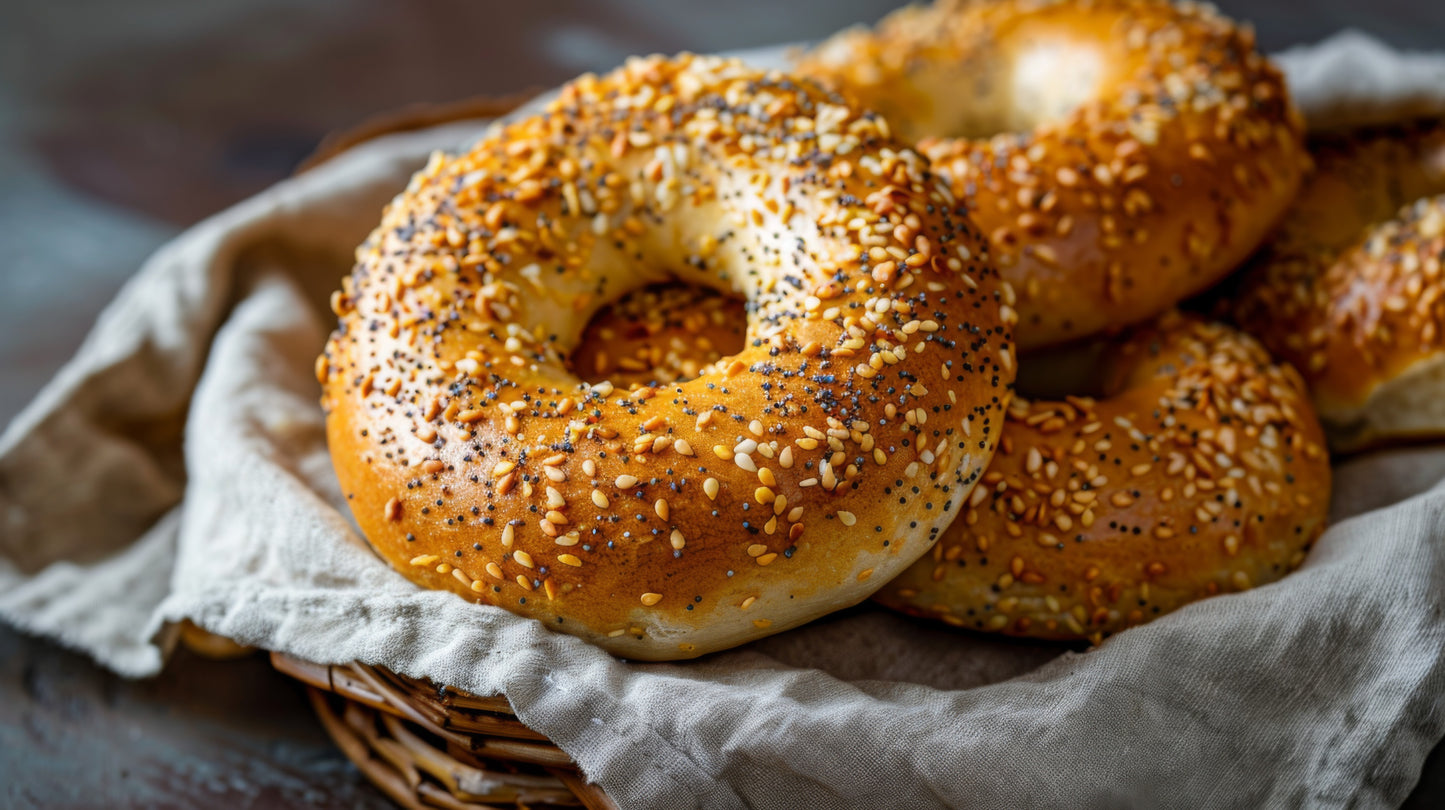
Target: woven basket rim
[
  {"x": 411, "y": 118},
  {"x": 426, "y": 745}
]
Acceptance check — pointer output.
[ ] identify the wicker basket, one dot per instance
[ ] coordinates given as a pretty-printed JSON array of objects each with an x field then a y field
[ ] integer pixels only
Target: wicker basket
[{"x": 429, "y": 746}]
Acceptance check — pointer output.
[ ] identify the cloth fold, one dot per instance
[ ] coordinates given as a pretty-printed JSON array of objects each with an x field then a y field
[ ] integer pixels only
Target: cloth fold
[{"x": 177, "y": 469}]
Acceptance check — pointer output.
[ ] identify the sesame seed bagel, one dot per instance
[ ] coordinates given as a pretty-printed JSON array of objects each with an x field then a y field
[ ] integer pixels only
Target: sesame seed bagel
[
  {"x": 1147, "y": 147},
  {"x": 1201, "y": 470},
  {"x": 1351, "y": 290},
  {"x": 666, "y": 521}
]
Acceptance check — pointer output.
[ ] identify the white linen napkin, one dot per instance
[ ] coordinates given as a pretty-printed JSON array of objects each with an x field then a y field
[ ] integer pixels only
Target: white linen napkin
[{"x": 177, "y": 469}]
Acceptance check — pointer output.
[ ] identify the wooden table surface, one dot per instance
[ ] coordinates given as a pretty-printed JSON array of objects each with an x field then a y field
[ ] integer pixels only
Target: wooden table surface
[{"x": 120, "y": 124}]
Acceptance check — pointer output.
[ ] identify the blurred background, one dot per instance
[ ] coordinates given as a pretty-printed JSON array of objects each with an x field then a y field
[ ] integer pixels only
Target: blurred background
[{"x": 121, "y": 123}]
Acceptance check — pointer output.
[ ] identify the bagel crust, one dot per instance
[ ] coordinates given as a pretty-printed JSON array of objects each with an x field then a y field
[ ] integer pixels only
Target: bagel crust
[
  {"x": 1351, "y": 289},
  {"x": 1120, "y": 155},
  {"x": 1202, "y": 470},
  {"x": 662, "y": 522}
]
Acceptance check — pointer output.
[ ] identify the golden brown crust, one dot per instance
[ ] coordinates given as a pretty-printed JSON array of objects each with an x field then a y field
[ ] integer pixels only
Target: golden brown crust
[
  {"x": 1149, "y": 147},
  {"x": 1350, "y": 290},
  {"x": 665, "y": 522},
  {"x": 1202, "y": 470}
]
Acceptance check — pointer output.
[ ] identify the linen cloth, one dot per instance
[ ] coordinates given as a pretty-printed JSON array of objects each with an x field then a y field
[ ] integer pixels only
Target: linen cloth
[{"x": 177, "y": 469}]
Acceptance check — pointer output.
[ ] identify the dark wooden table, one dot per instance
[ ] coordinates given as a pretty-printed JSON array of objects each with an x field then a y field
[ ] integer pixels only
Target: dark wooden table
[{"x": 120, "y": 124}]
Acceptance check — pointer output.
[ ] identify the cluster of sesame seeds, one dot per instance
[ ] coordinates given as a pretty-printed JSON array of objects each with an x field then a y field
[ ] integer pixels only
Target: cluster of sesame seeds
[
  {"x": 1389, "y": 293},
  {"x": 1202, "y": 471},
  {"x": 1146, "y": 192},
  {"x": 1351, "y": 291},
  {"x": 872, "y": 378}
]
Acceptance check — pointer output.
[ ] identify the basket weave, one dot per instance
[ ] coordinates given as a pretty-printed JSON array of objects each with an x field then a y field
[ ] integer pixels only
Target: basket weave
[
  {"x": 412, "y": 118},
  {"x": 429, "y": 746}
]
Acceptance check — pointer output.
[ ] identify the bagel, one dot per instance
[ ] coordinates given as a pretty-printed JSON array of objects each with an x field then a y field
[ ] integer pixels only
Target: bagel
[
  {"x": 1201, "y": 470},
  {"x": 783, "y": 482},
  {"x": 1120, "y": 155},
  {"x": 1351, "y": 290}
]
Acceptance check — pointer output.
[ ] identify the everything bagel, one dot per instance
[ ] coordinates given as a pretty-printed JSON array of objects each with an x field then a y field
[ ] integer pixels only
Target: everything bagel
[
  {"x": 1120, "y": 155},
  {"x": 1351, "y": 289},
  {"x": 780, "y": 483},
  {"x": 1201, "y": 470}
]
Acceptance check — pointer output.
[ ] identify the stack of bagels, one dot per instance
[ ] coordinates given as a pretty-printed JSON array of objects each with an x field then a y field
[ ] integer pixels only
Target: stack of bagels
[{"x": 703, "y": 352}]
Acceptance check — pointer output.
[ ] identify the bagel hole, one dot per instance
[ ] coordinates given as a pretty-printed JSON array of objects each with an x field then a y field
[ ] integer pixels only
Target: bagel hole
[
  {"x": 1074, "y": 369},
  {"x": 659, "y": 334}
]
